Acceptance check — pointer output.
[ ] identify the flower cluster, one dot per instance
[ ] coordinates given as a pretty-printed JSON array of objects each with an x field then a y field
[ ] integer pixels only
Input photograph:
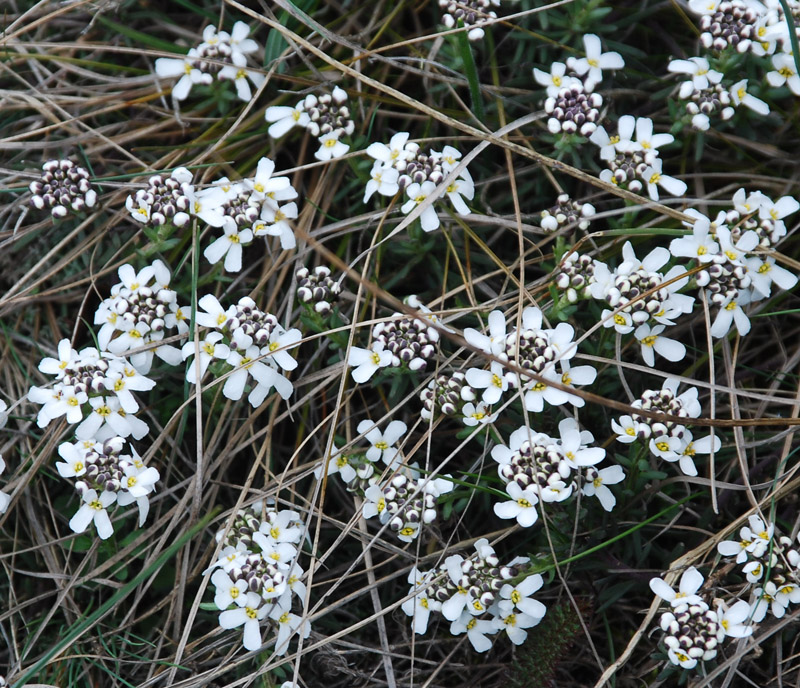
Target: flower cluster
[
  {"x": 536, "y": 467},
  {"x": 533, "y": 349},
  {"x": 102, "y": 476},
  {"x": 251, "y": 344},
  {"x": 771, "y": 567},
  {"x": 403, "y": 166},
  {"x": 326, "y": 117},
  {"x": 667, "y": 439},
  {"x": 220, "y": 55},
  {"x": 92, "y": 388},
  {"x": 567, "y": 213},
  {"x": 478, "y": 596},
  {"x": 406, "y": 501},
  {"x": 165, "y": 201},
  {"x": 63, "y": 186},
  {"x": 257, "y": 577},
  {"x": 140, "y": 311},
  {"x": 572, "y": 104},
  {"x": 633, "y": 158},
  {"x": 398, "y": 342},
  {"x": 473, "y": 14},
  {"x": 316, "y": 289},
  {"x": 574, "y": 276},
  {"x": 731, "y": 278},
  {"x": 706, "y": 96},
  {"x": 450, "y": 394},
  {"x": 692, "y": 630}
]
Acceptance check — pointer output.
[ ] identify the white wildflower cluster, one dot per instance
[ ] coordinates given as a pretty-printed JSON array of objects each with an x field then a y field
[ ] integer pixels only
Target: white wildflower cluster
[
  {"x": 141, "y": 310},
  {"x": 254, "y": 207},
  {"x": 707, "y": 96},
  {"x": 94, "y": 389},
  {"x": 477, "y": 596},
  {"x": 449, "y": 394},
  {"x": 693, "y": 631},
  {"x": 633, "y": 158},
  {"x": 545, "y": 352},
  {"x": 406, "y": 501},
  {"x": 5, "y": 498},
  {"x": 732, "y": 277},
  {"x": 567, "y": 213},
  {"x": 249, "y": 342},
  {"x": 326, "y": 117},
  {"x": 400, "y": 341},
  {"x": 771, "y": 567},
  {"x": 473, "y": 14},
  {"x": 220, "y": 55},
  {"x": 667, "y": 439},
  {"x": 357, "y": 468},
  {"x": 642, "y": 300},
  {"x": 316, "y": 289},
  {"x": 574, "y": 276},
  {"x": 256, "y": 577},
  {"x": 63, "y": 187},
  {"x": 401, "y": 165},
  {"x": 536, "y": 467},
  {"x": 572, "y": 104},
  {"x": 103, "y": 476}
]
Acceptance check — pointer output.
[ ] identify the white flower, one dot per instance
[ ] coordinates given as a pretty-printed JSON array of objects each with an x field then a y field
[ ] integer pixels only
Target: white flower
[
  {"x": 214, "y": 315},
  {"x": 169, "y": 67},
  {"x": 278, "y": 219},
  {"x": 573, "y": 441},
  {"x": 59, "y": 401},
  {"x": 125, "y": 380},
  {"x": 476, "y": 630},
  {"x": 700, "y": 245},
  {"x": 785, "y": 73},
  {"x": 108, "y": 419},
  {"x": 522, "y": 507},
  {"x": 331, "y": 147},
  {"x": 288, "y": 625},
  {"x": 645, "y": 137},
  {"x": 492, "y": 381},
  {"x": 420, "y": 606},
  {"x": 239, "y": 40},
  {"x": 731, "y": 312},
  {"x": 691, "y": 582},
  {"x": 455, "y": 190},
  {"x": 210, "y": 348},
  {"x": 240, "y": 75},
  {"x": 92, "y": 509},
  {"x": 514, "y": 623},
  {"x": 229, "y": 246},
  {"x": 67, "y": 356},
  {"x": 654, "y": 178},
  {"x": 417, "y": 193},
  {"x": 382, "y": 442},
  {"x": 597, "y": 481},
  {"x": 651, "y": 340},
  {"x": 227, "y": 591},
  {"x": 206, "y": 204},
  {"x": 375, "y": 504},
  {"x": 368, "y": 361},
  {"x": 249, "y": 615},
  {"x": 519, "y": 597},
  {"x": 74, "y": 456},
  {"x": 264, "y": 185},
  {"x": 625, "y": 429},
  {"x": 280, "y": 341},
  {"x": 245, "y": 366},
  {"x": 479, "y": 414},
  {"x": 733, "y": 619},
  {"x": 284, "y": 118},
  {"x": 767, "y": 598},
  {"x": 555, "y": 80},
  {"x": 697, "y": 67},
  {"x": 595, "y": 61},
  {"x": 398, "y": 150},
  {"x": 494, "y": 342},
  {"x": 740, "y": 96},
  {"x": 383, "y": 179}
]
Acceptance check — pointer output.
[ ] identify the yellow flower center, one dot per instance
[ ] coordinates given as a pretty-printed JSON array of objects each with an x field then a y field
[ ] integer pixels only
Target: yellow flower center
[
  {"x": 331, "y": 142},
  {"x": 497, "y": 380},
  {"x": 731, "y": 306},
  {"x": 592, "y": 62},
  {"x": 764, "y": 268},
  {"x": 251, "y": 613},
  {"x": 524, "y": 503},
  {"x": 650, "y": 340},
  {"x": 662, "y": 446},
  {"x": 383, "y": 446},
  {"x": 556, "y": 81},
  {"x": 96, "y": 505},
  {"x": 234, "y": 592},
  {"x": 78, "y": 467},
  {"x": 515, "y": 596},
  {"x": 619, "y": 319}
]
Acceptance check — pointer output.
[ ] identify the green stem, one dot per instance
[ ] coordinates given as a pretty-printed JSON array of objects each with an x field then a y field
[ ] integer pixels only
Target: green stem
[{"x": 471, "y": 72}]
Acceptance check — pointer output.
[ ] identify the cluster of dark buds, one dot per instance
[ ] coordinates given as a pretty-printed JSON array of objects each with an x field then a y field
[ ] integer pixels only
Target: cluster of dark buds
[
  {"x": 472, "y": 13},
  {"x": 723, "y": 279},
  {"x": 574, "y": 276},
  {"x": 574, "y": 110},
  {"x": 316, "y": 289},
  {"x": 567, "y": 212},
  {"x": 63, "y": 186},
  {"x": 692, "y": 633},
  {"x": 406, "y": 502},
  {"x": 732, "y": 24},
  {"x": 164, "y": 200},
  {"x": 446, "y": 394},
  {"x": 411, "y": 341}
]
